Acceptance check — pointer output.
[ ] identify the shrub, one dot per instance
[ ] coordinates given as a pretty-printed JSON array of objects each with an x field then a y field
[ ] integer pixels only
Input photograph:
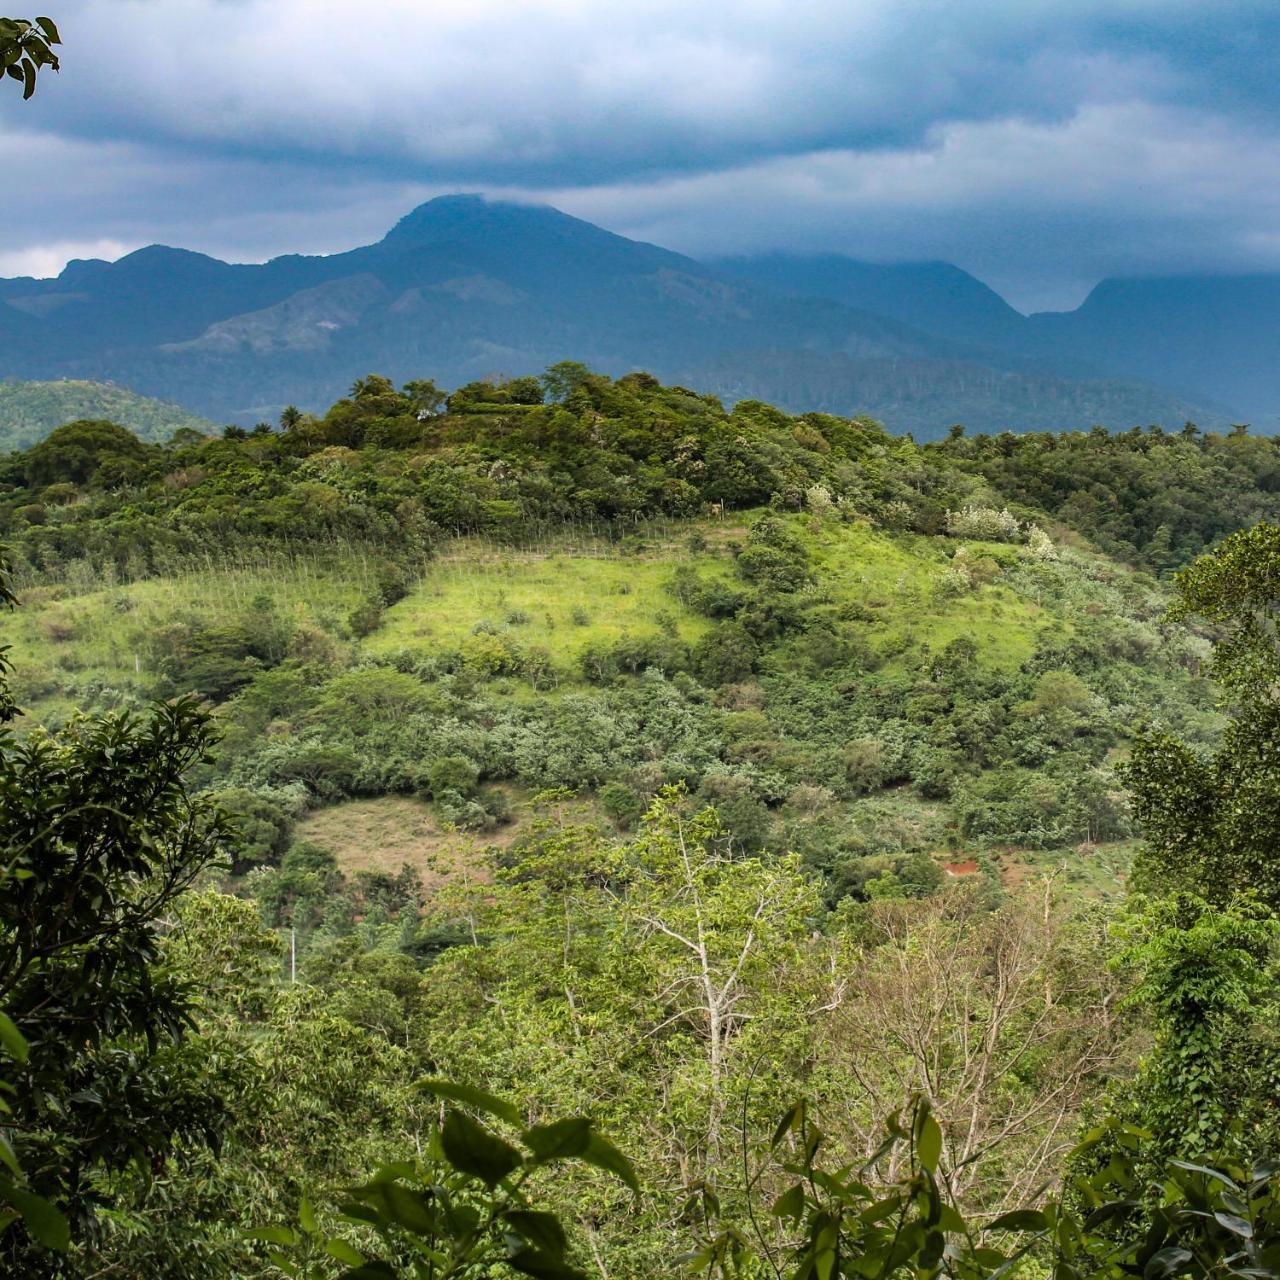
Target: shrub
[{"x": 985, "y": 524}]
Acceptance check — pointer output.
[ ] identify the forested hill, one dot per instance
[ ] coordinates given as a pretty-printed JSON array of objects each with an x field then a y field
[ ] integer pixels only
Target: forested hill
[
  {"x": 471, "y": 287},
  {"x": 501, "y": 458},
  {"x": 30, "y": 410}
]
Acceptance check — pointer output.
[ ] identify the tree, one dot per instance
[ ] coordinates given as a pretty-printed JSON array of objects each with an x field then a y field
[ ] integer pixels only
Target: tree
[
  {"x": 100, "y": 837},
  {"x": 425, "y": 397},
  {"x": 84, "y": 452},
  {"x": 26, "y": 48},
  {"x": 563, "y": 379},
  {"x": 1212, "y": 823}
]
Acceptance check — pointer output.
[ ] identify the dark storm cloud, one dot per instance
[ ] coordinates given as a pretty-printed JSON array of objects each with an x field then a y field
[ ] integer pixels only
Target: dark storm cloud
[{"x": 1045, "y": 143}]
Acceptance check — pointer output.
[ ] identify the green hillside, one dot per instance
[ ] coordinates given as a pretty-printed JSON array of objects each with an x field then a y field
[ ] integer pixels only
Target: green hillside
[
  {"x": 30, "y": 410},
  {"x": 590, "y": 744}
]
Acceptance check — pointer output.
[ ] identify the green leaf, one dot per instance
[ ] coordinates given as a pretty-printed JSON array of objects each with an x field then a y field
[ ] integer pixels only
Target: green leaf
[
  {"x": 792, "y": 1119},
  {"x": 13, "y": 1041},
  {"x": 790, "y": 1204},
  {"x": 560, "y": 1140},
  {"x": 307, "y": 1216},
  {"x": 343, "y": 1252},
  {"x": 472, "y": 1149},
  {"x": 47, "y": 1224},
  {"x": 1019, "y": 1220},
  {"x": 1235, "y": 1224},
  {"x": 1216, "y": 1174},
  {"x": 472, "y": 1097},
  {"x": 1165, "y": 1262},
  {"x": 929, "y": 1142},
  {"x": 46, "y": 25},
  {"x": 543, "y": 1266},
  {"x": 604, "y": 1155},
  {"x": 541, "y": 1230},
  {"x": 403, "y": 1206}
]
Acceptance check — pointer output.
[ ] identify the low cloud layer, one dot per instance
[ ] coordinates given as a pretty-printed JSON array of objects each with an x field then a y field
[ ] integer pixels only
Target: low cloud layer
[{"x": 1040, "y": 143}]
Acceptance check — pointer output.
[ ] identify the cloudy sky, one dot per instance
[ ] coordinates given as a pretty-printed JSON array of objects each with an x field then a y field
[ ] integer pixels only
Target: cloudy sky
[{"x": 1041, "y": 144}]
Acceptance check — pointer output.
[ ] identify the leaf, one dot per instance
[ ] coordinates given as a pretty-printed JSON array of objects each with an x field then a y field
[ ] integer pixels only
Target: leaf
[
  {"x": 472, "y": 1097},
  {"x": 472, "y": 1149},
  {"x": 1204, "y": 1169},
  {"x": 307, "y": 1216},
  {"x": 560, "y": 1140},
  {"x": 1019, "y": 1220},
  {"x": 343, "y": 1252},
  {"x": 46, "y": 25},
  {"x": 1235, "y": 1224},
  {"x": 790, "y": 1204},
  {"x": 46, "y": 1223},
  {"x": 1166, "y": 1262},
  {"x": 28, "y": 78},
  {"x": 792, "y": 1119},
  {"x": 406, "y": 1208},
  {"x": 929, "y": 1143},
  {"x": 544, "y": 1266},
  {"x": 13, "y": 1041},
  {"x": 541, "y": 1230},
  {"x": 604, "y": 1155}
]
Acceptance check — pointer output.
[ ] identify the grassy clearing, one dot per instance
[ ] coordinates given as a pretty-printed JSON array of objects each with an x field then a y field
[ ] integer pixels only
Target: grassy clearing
[
  {"x": 563, "y": 602},
  {"x": 566, "y": 595},
  {"x": 98, "y": 636},
  {"x": 1098, "y": 872},
  {"x": 896, "y": 578},
  {"x": 386, "y": 833}
]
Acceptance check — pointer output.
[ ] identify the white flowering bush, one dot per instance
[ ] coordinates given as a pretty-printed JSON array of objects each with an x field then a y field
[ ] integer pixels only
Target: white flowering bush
[
  {"x": 1039, "y": 545},
  {"x": 985, "y": 524}
]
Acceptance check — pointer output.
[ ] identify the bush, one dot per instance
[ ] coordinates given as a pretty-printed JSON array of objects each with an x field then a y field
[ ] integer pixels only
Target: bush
[
  {"x": 456, "y": 774},
  {"x": 621, "y": 803},
  {"x": 725, "y": 655},
  {"x": 985, "y": 524}
]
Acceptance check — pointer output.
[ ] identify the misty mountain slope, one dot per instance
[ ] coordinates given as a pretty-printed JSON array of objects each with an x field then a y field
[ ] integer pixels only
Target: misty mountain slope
[
  {"x": 1208, "y": 336},
  {"x": 934, "y": 297},
  {"x": 463, "y": 288},
  {"x": 979, "y": 397}
]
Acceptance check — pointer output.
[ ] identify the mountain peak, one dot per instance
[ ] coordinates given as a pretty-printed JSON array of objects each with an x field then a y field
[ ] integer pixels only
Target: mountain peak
[{"x": 472, "y": 216}]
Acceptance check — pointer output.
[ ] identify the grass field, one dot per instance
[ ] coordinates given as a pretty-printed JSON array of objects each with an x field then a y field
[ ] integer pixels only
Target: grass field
[
  {"x": 562, "y": 602},
  {"x": 896, "y": 578},
  {"x": 98, "y": 636},
  {"x": 70, "y": 644}
]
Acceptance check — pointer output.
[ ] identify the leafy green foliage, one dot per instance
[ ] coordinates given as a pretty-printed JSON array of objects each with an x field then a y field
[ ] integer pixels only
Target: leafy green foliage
[
  {"x": 100, "y": 838},
  {"x": 467, "y": 1206},
  {"x": 26, "y": 48}
]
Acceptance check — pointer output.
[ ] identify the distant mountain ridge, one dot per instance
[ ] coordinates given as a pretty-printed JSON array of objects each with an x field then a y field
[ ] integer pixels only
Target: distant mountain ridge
[{"x": 463, "y": 287}]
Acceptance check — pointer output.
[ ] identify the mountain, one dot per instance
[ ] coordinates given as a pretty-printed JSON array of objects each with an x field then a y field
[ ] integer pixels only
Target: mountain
[
  {"x": 1210, "y": 340},
  {"x": 1208, "y": 337},
  {"x": 30, "y": 410},
  {"x": 463, "y": 288},
  {"x": 934, "y": 297}
]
